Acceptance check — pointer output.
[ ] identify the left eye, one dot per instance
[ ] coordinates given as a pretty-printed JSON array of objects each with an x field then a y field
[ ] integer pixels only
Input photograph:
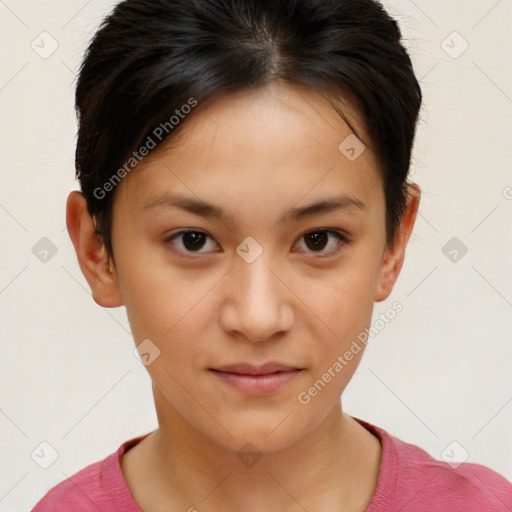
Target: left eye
[{"x": 317, "y": 240}]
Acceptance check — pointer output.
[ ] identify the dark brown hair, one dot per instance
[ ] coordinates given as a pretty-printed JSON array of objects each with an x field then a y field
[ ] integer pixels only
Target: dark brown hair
[{"x": 150, "y": 58}]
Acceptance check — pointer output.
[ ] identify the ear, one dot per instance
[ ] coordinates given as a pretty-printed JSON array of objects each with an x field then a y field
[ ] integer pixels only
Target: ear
[
  {"x": 91, "y": 253},
  {"x": 393, "y": 259}
]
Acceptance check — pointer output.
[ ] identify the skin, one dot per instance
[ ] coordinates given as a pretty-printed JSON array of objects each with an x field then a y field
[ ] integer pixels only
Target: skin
[{"x": 256, "y": 154}]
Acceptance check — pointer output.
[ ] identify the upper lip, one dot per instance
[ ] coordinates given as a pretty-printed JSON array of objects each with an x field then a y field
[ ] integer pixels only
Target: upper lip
[{"x": 249, "y": 369}]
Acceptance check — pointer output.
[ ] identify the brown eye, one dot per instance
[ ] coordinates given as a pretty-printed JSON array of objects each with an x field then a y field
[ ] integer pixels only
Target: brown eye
[
  {"x": 193, "y": 240},
  {"x": 189, "y": 241},
  {"x": 317, "y": 241}
]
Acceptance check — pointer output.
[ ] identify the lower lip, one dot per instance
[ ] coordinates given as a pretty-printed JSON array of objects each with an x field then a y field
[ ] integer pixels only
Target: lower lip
[{"x": 257, "y": 384}]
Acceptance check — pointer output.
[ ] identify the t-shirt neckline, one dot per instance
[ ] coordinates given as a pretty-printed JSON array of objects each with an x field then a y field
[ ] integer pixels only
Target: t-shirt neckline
[{"x": 114, "y": 483}]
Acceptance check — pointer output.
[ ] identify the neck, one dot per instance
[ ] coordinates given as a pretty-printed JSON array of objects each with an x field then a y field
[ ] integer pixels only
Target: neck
[{"x": 333, "y": 467}]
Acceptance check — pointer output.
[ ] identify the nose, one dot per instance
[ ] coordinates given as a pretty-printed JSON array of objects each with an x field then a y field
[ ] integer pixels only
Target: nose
[{"x": 258, "y": 304}]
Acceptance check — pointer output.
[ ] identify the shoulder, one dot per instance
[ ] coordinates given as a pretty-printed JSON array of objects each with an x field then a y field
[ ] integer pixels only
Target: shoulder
[
  {"x": 423, "y": 481},
  {"x": 410, "y": 480},
  {"x": 77, "y": 493},
  {"x": 98, "y": 486}
]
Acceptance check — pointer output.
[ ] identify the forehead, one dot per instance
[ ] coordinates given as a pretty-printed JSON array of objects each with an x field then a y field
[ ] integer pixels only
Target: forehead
[{"x": 260, "y": 147}]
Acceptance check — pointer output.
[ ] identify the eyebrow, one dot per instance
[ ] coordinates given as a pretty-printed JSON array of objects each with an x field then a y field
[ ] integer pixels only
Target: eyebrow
[{"x": 203, "y": 209}]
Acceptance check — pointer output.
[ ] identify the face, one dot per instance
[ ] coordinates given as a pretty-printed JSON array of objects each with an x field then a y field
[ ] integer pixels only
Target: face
[{"x": 258, "y": 276}]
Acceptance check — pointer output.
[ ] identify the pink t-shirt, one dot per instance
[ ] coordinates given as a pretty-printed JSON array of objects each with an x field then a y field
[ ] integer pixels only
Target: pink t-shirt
[{"x": 409, "y": 480}]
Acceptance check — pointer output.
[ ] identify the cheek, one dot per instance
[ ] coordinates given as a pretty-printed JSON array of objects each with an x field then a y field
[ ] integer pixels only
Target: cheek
[
  {"x": 342, "y": 300},
  {"x": 169, "y": 305},
  {"x": 153, "y": 292},
  {"x": 343, "y": 306},
  {"x": 346, "y": 310}
]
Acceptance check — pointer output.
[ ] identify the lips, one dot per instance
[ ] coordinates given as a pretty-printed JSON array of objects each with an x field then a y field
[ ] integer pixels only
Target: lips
[
  {"x": 257, "y": 380},
  {"x": 249, "y": 369}
]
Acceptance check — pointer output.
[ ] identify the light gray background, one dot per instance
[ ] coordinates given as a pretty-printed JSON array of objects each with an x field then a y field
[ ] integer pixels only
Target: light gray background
[{"x": 439, "y": 372}]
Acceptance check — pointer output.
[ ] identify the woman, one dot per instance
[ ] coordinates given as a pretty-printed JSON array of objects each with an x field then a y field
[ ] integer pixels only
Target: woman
[{"x": 243, "y": 168}]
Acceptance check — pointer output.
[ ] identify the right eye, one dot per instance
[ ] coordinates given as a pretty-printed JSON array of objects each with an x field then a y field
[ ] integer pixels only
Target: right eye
[{"x": 189, "y": 241}]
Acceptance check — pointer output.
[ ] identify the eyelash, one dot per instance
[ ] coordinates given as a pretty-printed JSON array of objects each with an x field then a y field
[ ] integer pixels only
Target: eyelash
[{"x": 342, "y": 238}]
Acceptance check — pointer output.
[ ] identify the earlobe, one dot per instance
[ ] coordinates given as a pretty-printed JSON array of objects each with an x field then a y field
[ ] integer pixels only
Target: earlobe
[
  {"x": 393, "y": 258},
  {"x": 91, "y": 253}
]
